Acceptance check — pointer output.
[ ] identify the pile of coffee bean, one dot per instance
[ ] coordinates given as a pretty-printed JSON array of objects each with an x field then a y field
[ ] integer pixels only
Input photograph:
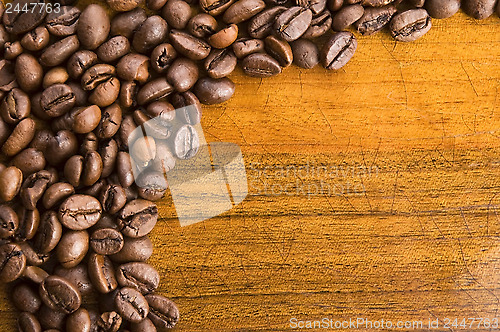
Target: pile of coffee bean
[{"x": 76, "y": 83}]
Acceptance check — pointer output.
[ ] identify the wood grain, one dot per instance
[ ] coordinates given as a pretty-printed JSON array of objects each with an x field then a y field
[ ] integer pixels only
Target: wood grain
[{"x": 374, "y": 192}]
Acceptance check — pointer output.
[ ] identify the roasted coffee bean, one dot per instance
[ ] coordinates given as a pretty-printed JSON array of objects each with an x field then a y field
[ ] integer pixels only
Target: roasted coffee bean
[
  {"x": 214, "y": 91},
  {"x": 189, "y": 46},
  {"x": 4, "y": 35},
  {"x": 292, "y": 23},
  {"x": 49, "y": 233},
  {"x": 215, "y": 7},
  {"x": 97, "y": 75},
  {"x": 12, "y": 262},
  {"x": 20, "y": 137},
  {"x": 347, "y": 16},
  {"x": 83, "y": 120},
  {"x": 243, "y": 10},
  {"x": 262, "y": 24},
  {"x": 125, "y": 24},
  {"x": 72, "y": 248},
  {"x": 15, "y": 106},
  {"x": 154, "y": 90},
  {"x": 188, "y": 115},
  {"x": 57, "y": 100},
  {"x": 280, "y": 50},
  {"x": 105, "y": 93},
  {"x": 376, "y": 3},
  {"x": 131, "y": 305},
  {"x": 73, "y": 169},
  {"x": 442, "y": 8},
  {"x": 338, "y": 50},
  {"x": 244, "y": 46},
  {"x": 27, "y": 322},
  {"x": 9, "y": 222},
  {"x": 33, "y": 188},
  {"x": 151, "y": 185},
  {"x": 165, "y": 160},
  {"x": 155, "y": 4},
  {"x": 29, "y": 161},
  {"x": 106, "y": 241},
  {"x": 202, "y": 25},
  {"x": 60, "y": 51},
  {"x": 35, "y": 274},
  {"x": 59, "y": 294},
  {"x": 162, "y": 109},
  {"x": 79, "y": 212},
  {"x": 102, "y": 273},
  {"x": 124, "y": 5},
  {"x": 134, "y": 250},
  {"x": 108, "y": 149},
  {"x": 78, "y": 276},
  {"x": 51, "y": 319},
  {"x": 410, "y": 25},
  {"x": 93, "y": 26},
  {"x": 57, "y": 193},
  {"x": 140, "y": 276},
  {"x": 225, "y": 37},
  {"x": 62, "y": 146},
  {"x": 25, "y": 298},
  {"x": 162, "y": 311},
  {"x": 33, "y": 258},
  {"x": 305, "y": 53},
  {"x": 90, "y": 143},
  {"x": 320, "y": 24},
  {"x": 29, "y": 220},
  {"x": 7, "y": 76},
  {"x": 22, "y": 21},
  {"x": 36, "y": 40},
  {"x": 41, "y": 140},
  {"x": 109, "y": 322},
  {"x": 110, "y": 122},
  {"x": 260, "y": 65},
  {"x": 375, "y": 19},
  {"x": 113, "y": 49},
  {"x": 137, "y": 218},
  {"x": 126, "y": 130},
  {"x": 162, "y": 57},
  {"x": 12, "y": 49},
  {"x": 183, "y": 73},
  {"x": 79, "y": 321},
  {"x": 161, "y": 127},
  {"x": 186, "y": 142},
  {"x": 220, "y": 63},
  {"x": 316, "y": 6},
  {"x": 144, "y": 326},
  {"x": 79, "y": 62},
  {"x": 150, "y": 34},
  {"x": 133, "y": 67},
  {"x": 479, "y": 9},
  {"x": 143, "y": 150},
  {"x": 128, "y": 92},
  {"x": 177, "y": 13},
  {"x": 57, "y": 75},
  {"x": 63, "y": 22}
]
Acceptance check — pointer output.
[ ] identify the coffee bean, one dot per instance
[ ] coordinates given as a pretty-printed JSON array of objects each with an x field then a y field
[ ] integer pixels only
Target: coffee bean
[
  {"x": 479, "y": 9},
  {"x": 79, "y": 212},
  {"x": 29, "y": 220},
  {"x": 128, "y": 93},
  {"x": 140, "y": 276},
  {"x": 25, "y": 298},
  {"x": 163, "y": 312},
  {"x": 20, "y": 137},
  {"x": 188, "y": 107},
  {"x": 262, "y": 24},
  {"x": 109, "y": 322},
  {"x": 27, "y": 322},
  {"x": 165, "y": 160},
  {"x": 134, "y": 250},
  {"x": 78, "y": 276},
  {"x": 347, "y": 16},
  {"x": 15, "y": 106},
  {"x": 183, "y": 73},
  {"x": 280, "y": 50},
  {"x": 57, "y": 100},
  {"x": 33, "y": 258},
  {"x": 57, "y": 193},
  {"x": 442, "y": 8},
  {"x": 124, "y": 5},
  {"x": 160, "y": 127},
  {"x": 79, "y": 321},
  {"x": 82, "y": 120},
  {"x": 375, "y": 19},
  {"x": 144, "y": 326},
  {"x": 305, "y": 53},
  {"x": 57, "y": 53},
  {"x": 33, "y": 188},
  {"x": 260, "y": 65},
  {"x": 7, "y": 76},
  {"x": 29, "y": 161},
  {"x": 154, "y": 90},
  {"x": 9, "y": 222},
  {"x": 162, "y": 57},
  {"x": 12, "y": 49},
  {"x": 320, "y": 24},
  {"x": 214, "y": 91},
  {"x": 57, "y": 75},
  {"x": 51, "y": 319},
  {"x": 49, "y": 233},
  {"x": 59, "y": 294},
  {"x": 316, "y": 6},
  {"x": 292, "y": 23},
  {"x": 189, "y": 46},
  {"x": 410, "y": 25},
  {"x": 131, "y": 305},
  {"x": 202, "y": 25},
  {"x": 243, "y": 10},
  {"x": 102, "y": 273},
  {"x": 62, "y": 146},
  {"x": 125, "y": 24},
  {"x": 137, "y": 218},
  {"x": 29, "y": 72},
  {"x": 106, "y": 241},
  {"x": 110, "y": 122},
  {"x": 244, "y": 46},
  {"x": 225, "y": 37},
  {"x": 12, "y": 262},
  {"x": 113, "y": 49},
  {"x": 108, "y": 149},
  {"x": 186, "y": 143},
  {"x": 376, "y": 3},
  {"x": 162, "y": 110},
  {"x": 220, "y": 63},
  {"x": 177, "y": 13},
  {"x": 97, "y": 75},
  {"x": 338, "y": 50},
  {"x": 215, "y": 7},
  {"x": 93, "y": 26},
  {"x": 155, "y": 4},
  {"x": 124, "y": 169},
  {"x": 133, "y": 67},
  {"x": 64, "y": 22},
  {"x": 80, "y": 62},
  {"x": 151, "y": 185},
  {"x": 36, "y": 40},
  {"x": 72, "y": 248},
  {"x": 22, "y": 21},
  {"x": 150, "y": 34},
  {"x": 35, "y": 274}
]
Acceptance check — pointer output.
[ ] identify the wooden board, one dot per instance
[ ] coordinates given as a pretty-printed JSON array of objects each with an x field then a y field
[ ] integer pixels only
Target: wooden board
[{"x": 391, "y": 212}]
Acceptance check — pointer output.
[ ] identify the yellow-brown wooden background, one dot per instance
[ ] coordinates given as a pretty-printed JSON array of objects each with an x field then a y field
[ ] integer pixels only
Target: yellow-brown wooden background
[{"x": 410, "y": 134}]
